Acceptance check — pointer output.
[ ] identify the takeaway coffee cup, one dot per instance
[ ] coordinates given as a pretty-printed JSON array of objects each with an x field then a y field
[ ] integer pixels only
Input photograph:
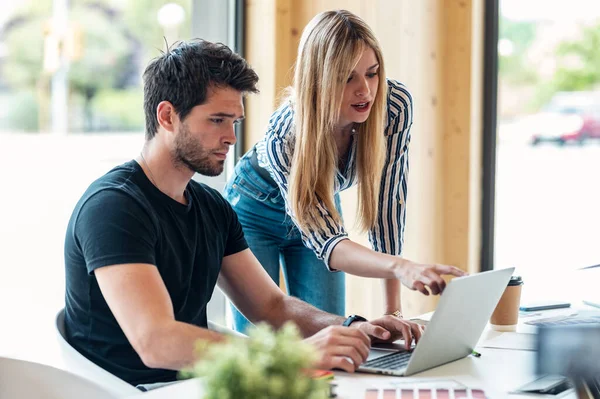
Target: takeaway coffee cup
[{"x": 506, "y": 314}]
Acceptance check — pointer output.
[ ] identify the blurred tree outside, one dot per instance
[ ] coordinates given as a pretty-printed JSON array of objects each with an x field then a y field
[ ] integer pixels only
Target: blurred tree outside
[
  {"x": 513, "y": 66},
  {"x": 115, "y": 41},
  {"x": 516, "y": 77},
  {"x": 579, "y": 67},
  {"x": 23, "y": 36},
  {"x": 103, "y": 61},
  {"x": 141, "y": 18}
]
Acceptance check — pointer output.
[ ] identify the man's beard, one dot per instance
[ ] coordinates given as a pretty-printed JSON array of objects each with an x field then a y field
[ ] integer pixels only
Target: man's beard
[{"x": 190, "y": 153}]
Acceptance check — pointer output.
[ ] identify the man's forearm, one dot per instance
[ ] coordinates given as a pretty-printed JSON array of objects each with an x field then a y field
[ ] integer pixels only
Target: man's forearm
[
  {"x": 309, "y": 319},
  {"x": 172, "y": 346}
]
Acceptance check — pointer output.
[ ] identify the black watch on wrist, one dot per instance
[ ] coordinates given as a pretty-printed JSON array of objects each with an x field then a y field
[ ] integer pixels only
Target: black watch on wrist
[{"x": 352, "y": 318}]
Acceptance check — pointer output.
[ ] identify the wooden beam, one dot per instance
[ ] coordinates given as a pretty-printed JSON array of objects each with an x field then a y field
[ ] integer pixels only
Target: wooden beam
[{"x": 462, "y": 142}]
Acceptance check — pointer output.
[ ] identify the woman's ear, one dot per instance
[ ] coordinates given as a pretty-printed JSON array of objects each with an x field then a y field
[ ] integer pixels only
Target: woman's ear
[{"x": 165, "y": 115}]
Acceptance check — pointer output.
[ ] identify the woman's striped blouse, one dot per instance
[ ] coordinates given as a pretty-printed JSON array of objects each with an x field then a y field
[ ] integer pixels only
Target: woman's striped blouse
[{"x": 275, "y": 152}]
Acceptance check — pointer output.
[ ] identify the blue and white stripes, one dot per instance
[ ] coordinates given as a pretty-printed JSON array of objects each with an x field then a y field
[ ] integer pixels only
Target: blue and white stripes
[{"x": 275, "y": 152}]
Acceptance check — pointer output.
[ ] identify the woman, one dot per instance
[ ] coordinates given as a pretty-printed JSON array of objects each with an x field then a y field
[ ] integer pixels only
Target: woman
[{"x": 343, "y": 124}]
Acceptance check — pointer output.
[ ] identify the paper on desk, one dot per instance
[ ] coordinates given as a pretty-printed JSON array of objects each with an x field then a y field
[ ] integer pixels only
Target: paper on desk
[
  {"x": 411, "y": 383},
  {"x": 510, "y": 340}
]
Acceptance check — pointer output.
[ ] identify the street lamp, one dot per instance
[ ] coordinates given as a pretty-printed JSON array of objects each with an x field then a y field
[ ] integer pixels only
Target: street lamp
[{"x": 170, "y": 16}]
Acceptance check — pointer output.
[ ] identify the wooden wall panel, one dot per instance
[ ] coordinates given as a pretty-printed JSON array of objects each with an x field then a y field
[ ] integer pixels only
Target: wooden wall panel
[
  {"x": 462, "y": 87},
  {"x": 433, "y": 46}
]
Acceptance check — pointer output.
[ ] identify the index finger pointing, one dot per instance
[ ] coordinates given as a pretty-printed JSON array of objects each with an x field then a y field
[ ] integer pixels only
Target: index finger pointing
[{"x": 445, "y": 269}]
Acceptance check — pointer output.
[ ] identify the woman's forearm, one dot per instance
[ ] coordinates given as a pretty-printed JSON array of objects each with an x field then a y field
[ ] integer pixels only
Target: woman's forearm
[
  {"x": 353, "y": 258},
  {"x": 392, "y": 295},
  {"x": 358, "y": 260}
]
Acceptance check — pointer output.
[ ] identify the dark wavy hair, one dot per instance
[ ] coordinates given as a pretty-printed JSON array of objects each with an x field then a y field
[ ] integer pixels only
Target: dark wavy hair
[{"x": 184, "y": 73}]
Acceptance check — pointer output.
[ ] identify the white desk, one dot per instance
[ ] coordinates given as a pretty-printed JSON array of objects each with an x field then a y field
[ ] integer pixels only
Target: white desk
[{"x": 497, "y": 372}]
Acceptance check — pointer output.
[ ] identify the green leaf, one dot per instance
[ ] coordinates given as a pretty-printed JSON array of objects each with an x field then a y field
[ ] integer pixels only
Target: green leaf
[{"x": 268, "y": 364}]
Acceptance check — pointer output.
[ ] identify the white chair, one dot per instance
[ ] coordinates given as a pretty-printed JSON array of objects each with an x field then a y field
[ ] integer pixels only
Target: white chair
[
  {"x": 23, "y": 379},
  {"x": 85, "y": 367},
  {"x": 88, "y": 369},
  {"x": 224, "y": 330}
]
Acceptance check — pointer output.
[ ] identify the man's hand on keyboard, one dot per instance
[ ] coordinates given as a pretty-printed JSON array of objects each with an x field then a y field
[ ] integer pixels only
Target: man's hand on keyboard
[
  {"x": 391, "y": 328},
  {"x": 340, "y": 347}
]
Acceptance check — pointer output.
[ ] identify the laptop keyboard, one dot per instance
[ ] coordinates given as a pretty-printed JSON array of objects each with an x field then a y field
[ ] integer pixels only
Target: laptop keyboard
[{"x": 393, "y": 361}]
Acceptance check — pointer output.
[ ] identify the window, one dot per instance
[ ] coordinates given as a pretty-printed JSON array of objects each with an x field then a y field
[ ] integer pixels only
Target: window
[
  {"x": 548, "y": 142},
  {"x": 70, "y": 110}
]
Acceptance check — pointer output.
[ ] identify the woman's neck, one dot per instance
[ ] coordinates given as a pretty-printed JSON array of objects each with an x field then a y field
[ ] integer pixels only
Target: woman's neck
[
  {"x": 343, "y": 131},
  {"x": 343, "y": 137}
]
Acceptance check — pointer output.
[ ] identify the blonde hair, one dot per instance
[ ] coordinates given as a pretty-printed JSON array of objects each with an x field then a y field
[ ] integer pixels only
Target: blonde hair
[{"x": 330, "y": 48}]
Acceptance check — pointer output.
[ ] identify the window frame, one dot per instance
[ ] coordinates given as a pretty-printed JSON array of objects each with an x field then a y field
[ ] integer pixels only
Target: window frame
[
  {"x": 229, "y": 31},
  {"x": 489, "y": 131}
]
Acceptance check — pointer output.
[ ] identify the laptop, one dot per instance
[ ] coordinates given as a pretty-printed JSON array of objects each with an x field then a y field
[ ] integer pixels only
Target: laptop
[
  {"x": 455, "y": 328},
  {"x": 572, "y": 351}
]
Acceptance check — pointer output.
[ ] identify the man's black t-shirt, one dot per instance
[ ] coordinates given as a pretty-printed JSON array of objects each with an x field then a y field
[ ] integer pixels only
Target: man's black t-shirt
[{"x": 123, "y": 218}]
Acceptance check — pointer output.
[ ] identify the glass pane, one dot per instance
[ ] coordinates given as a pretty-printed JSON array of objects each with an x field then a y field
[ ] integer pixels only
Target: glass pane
[
  {"x": 70, "y": 110},
  {"x": 548, "y": 148}
]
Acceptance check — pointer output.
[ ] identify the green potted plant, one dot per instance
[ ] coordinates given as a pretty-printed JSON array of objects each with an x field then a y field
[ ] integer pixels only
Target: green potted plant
[{"x": 267, "y": 364}]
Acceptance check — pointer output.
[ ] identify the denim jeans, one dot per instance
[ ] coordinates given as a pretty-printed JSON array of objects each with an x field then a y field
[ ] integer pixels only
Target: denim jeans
[{"x": 276, "y": 241}]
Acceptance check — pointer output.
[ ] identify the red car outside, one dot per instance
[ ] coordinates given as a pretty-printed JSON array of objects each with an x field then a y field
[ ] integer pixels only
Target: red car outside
[{"x": 570, "y": 117}]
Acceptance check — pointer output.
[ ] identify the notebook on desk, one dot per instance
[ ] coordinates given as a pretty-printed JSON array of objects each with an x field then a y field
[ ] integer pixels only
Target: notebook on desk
[
  {"x": 594, "y": 302},
  {"x": 578, "y": 318},
  {"x": 461, "y": 315}
]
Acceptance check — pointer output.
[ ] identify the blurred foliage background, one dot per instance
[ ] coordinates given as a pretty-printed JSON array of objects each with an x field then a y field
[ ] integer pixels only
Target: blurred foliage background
[
  {"x": 537, "y": 59},
  {"x": 113, "y": 40},
  {"x": 111, "y": 43}
]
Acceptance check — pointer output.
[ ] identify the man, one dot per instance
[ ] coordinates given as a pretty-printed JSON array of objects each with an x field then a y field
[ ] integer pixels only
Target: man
[{"x": 146, "y": 245}]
